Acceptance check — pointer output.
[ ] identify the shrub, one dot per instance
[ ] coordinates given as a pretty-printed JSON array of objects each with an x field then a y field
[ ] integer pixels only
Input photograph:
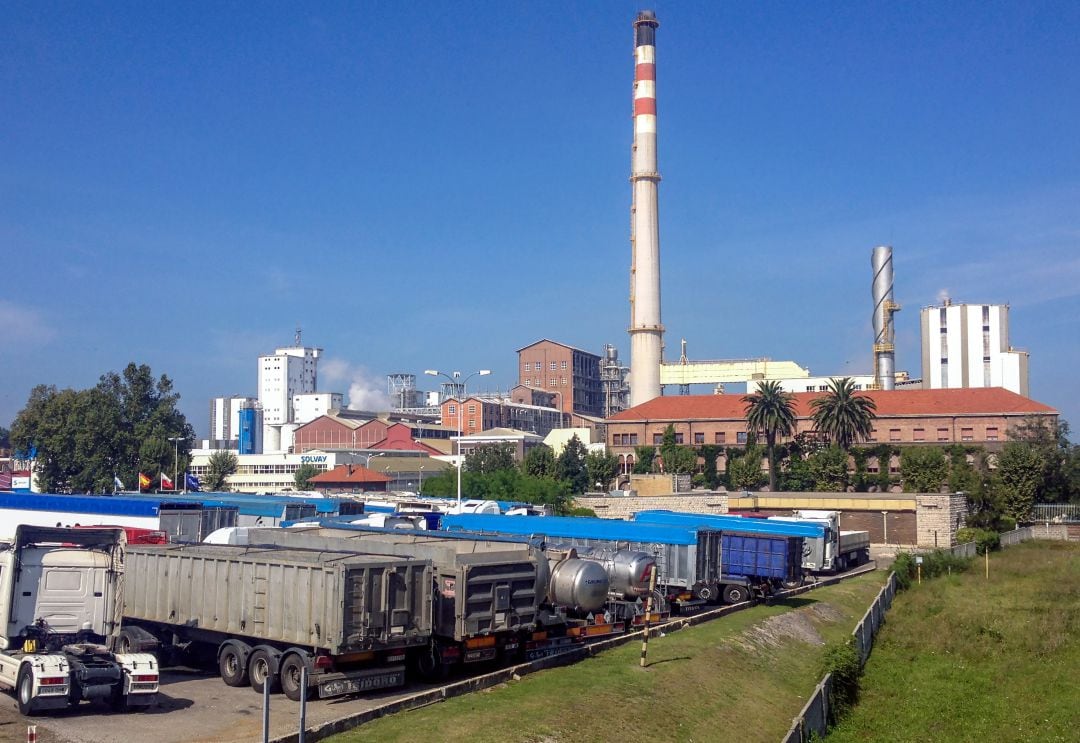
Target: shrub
[
  {"x": 984, "y": 539},
  {"x": 841, "y": 659},
  {"x": 938, "y": 562},
  {"x": 581, "y": 512}
]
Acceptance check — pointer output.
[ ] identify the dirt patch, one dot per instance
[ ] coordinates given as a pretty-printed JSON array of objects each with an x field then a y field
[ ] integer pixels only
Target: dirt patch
[{"x": 798, "y": 625}]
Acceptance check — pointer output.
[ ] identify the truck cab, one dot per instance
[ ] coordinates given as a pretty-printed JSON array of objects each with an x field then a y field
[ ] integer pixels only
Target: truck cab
[{"x": 60, "y": 606}]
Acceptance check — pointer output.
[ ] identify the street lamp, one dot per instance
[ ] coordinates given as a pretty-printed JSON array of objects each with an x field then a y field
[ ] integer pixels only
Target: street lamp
[
  {"x": 454, "y": 380},
  {"x": 176, "y": 460},
  {"x": 370, "y": 456},
  {"x": 421, "y": 491}
]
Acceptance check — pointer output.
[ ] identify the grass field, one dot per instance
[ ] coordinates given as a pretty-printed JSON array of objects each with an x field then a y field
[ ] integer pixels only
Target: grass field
[
  {"x": 963, "y": 658},
  {"x": 742, "y": 677}
]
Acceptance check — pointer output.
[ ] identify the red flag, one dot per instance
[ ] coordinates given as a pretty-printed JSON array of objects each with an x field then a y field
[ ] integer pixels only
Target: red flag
[{"x": 166, "y": 483}]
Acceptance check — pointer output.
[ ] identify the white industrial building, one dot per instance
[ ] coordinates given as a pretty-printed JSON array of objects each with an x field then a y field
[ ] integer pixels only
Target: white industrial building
[
  {"x": 967, "y": 345},
  {"x": 821, "y": 384},
  {"x": 225, "y": 421},
  {"x": 284, "y": 376}
]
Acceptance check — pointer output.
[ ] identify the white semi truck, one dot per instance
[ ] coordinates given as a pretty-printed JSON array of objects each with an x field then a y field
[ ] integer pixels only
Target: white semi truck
[
  {"x": 841, "y": 550},
  {"x": 60, "y": 607}
]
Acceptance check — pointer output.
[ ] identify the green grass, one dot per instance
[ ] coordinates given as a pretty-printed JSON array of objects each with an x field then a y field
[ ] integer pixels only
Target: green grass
[
  {"x": 741, "y": 677},
  {"x": 963, "y": 658}
]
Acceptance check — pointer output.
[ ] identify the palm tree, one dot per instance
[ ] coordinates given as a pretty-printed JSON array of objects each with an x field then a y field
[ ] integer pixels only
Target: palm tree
[
  {"x": 842, "y": 415},
  {"x": 770, "y": 412}
]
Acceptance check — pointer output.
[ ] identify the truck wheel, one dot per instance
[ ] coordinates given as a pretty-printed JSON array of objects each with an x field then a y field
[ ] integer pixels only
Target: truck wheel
[
  {"x": 430, "y": 666},
  {"x": 291, "y": 673},
  {"x": 735, "y": 594},
  {"x": 260, "y": 672},
  {"x": 24, "y": 691},
  {"x": 231, "y": 666},
  {"x": 706, "y": 592}
]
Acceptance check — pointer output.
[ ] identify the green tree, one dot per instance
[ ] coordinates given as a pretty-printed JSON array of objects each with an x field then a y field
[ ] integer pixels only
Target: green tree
[
  {"x": 490, "y": 458},
  {"x": 1020, "y": 472},
  {"x": 770, "y": 412},
  {"x": 302, "y": 476},
  {"x": 744, "y": 472},
  {"x": 829, "y": 468},
  {"x": 221, "y": 465},
  {"x": 5, "y": 438},
  {"x": 676, "y": 458},
  {"x": 570, "y": 466},
  {"x": 1050, "y": 439},
  {"x": 842, "y": 415},
  {"x": 601, "y": 467},
  {"x": 710, "y": 475},
  {"x": 644, "y": 456},
  {"x": 923, "y": 469},
  {"x": 539, "y": 461}
]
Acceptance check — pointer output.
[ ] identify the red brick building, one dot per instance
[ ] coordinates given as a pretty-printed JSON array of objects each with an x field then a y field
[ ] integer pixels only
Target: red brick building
[
  {"x": 341, "y": 431},
  {"x": 568, "y": 373},
  {"x": 483, "y": 413},
  {"x": 350, "y": 478},
  {"x": 977, "y": 416}
]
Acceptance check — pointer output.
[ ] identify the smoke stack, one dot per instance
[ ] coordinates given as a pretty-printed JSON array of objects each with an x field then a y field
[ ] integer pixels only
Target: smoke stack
[
  {"x": 884, "y": 307},
  {"x": 646, "y": 332}
]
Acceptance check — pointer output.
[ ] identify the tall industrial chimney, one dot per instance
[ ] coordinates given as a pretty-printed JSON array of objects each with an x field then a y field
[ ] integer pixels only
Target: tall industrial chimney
[
  {"x": 646, "y": 332},
  {"x": 884, "y": 307}
]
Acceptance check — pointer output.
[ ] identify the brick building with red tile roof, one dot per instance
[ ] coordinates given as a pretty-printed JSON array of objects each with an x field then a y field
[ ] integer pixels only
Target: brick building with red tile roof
[
  {"x": 350, "y": 478},
  {"x": 944, "y": 416}
]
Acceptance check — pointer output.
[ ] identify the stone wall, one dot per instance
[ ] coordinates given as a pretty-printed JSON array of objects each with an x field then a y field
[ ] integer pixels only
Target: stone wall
[
  {"x": 939, "y": 517},
  {"x": 615, "y": 507}
]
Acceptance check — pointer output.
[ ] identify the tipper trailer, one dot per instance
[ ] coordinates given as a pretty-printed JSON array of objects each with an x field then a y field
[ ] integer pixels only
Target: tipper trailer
[
  {"x": 268, "y": 613},
  {"x": 60, "y": 599}
]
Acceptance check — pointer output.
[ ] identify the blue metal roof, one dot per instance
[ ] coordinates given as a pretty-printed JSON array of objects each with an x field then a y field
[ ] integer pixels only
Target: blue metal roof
[
  {"x": 578, "y": 527},
  {"x": 730, "y": 523},
  {"x": 97, "y": 504},
  {"x": 335, "y": 524}
]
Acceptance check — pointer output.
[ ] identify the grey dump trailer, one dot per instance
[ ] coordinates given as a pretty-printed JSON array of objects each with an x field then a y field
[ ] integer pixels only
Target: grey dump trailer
[
  {"x": 267, "y": 613},
  {"x": 491, "y": 598}
]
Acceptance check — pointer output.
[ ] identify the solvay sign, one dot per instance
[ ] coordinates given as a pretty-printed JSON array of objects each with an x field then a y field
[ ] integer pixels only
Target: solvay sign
[{"x": 313, "y": 459}]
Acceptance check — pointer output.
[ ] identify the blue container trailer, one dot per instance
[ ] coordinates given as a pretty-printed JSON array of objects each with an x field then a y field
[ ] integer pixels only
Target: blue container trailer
[{"x": 694, "y": 564}]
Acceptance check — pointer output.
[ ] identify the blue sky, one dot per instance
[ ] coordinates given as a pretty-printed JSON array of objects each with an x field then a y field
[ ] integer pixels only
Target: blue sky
[{"x": 436, "y": 185}]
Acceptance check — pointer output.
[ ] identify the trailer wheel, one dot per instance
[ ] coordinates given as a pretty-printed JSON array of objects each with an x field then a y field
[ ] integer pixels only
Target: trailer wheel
[
  {"x": 291, "y": 675},
  {"x": 24, "y": 691},
  {"x": 261, "y": 672},
  {"x": 429, "y": 665},
  {"x": 735, "y": 594},
  {"x": 232, "y": 666}
]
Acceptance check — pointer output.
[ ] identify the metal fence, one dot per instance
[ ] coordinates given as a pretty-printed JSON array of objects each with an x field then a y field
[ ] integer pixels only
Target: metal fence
[
  {"x": 814, "y": 717},
  {"x": 1036, "y": 531},
  {"x": 967, "y": 549},
  {"x": 1056, "y": 512}
]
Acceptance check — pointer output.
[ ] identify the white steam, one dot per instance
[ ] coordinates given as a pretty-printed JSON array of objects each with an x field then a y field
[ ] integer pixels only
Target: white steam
[{"x": 366, "y": 390}]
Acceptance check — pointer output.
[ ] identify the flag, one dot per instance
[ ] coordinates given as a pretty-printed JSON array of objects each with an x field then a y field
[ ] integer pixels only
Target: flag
[
  {"x": 192, "y": 481},
  {"x": 166, "y": 483},
  {"x": 144, "y": 481},
  {"x": 116, "y": 481}
]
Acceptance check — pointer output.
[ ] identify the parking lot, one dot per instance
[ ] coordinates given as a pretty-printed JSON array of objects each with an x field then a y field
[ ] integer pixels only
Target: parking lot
[{"x": 192, "y": 706}]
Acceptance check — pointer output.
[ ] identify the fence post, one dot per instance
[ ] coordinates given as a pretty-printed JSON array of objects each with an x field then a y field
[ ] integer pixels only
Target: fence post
[
  {"x": 303, "y": 703},
  {"x": 266, "y": 708},
  {"x": 648, "y": 613}
]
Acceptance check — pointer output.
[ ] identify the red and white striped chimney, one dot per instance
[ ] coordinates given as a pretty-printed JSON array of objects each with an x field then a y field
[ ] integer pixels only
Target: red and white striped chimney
[{"x": 646, "y": 331}]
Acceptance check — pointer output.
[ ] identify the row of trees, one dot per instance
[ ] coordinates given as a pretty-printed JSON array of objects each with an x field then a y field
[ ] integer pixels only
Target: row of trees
[
  {"x": 83, "y": 440},
  {"x": 542, "y": 478}
]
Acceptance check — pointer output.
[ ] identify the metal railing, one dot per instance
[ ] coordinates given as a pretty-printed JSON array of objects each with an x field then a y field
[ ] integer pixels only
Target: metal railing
[{"x": 1056, "y": 512}]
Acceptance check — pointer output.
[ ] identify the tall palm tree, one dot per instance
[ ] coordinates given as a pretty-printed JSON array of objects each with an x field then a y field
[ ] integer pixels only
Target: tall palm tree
[
  {"x": 770, "y": 412},
  {"x": 842, "y": 415}
]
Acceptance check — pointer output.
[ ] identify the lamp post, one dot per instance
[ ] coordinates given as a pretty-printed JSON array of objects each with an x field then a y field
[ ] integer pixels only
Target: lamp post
[
  {"x": 454, "y": 380},
  {"x": 176, "y": 460},
  {"x": 421, "y": 492}
]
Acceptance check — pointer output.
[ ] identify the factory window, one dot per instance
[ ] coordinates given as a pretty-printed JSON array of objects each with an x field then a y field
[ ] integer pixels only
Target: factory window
[
  {"x": 678, "y": 438},
  {"x": 823, "y": 388},
  {"x": 562, "y": 364},
  {"x": 553, "y": 366},
  {"x": 472, "y": 409},
  {"x": 451, "y": 409},
  {"x": 527, "y": 381},
  {"x": 720, "y": 437},
  {"x": 967, "y": 434},
  {"x": 699, "y": 438},
  {"x": 991, "y": 433},
  {"x": 873, "y": 434},
  {"x": 894, "y": 434},
  {"x": 562, "y": 381},
  {"x": 657, "y": 439},
  {"x": 551, "y": 382},
  {"x": 740, "y": 437},
  {"x": 472, "y": 423},
  {"x": 943, "y": 434},
  {"x": 633, "y": 439},
  {"x": 919, "y": 434}
]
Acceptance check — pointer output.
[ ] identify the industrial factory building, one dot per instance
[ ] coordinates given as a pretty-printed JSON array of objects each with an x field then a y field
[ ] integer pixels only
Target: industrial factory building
[
  {"x": 967, "y": 345},
  {"x": 571, "y": 376},
  {"x": 906, "y": 416}
]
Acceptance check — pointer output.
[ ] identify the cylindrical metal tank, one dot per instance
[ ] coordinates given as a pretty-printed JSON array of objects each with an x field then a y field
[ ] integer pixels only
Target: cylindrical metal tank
[
  {"x": 580, "y": 585},
  {"x": 627, "y": 570}
]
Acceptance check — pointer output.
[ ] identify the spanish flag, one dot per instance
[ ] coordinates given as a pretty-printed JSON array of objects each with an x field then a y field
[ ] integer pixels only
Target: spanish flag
[{"x": 144, "y": 481}]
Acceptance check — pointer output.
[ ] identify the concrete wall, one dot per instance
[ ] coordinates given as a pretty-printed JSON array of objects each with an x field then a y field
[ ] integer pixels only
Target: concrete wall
[{"x": 909, "y": 519}]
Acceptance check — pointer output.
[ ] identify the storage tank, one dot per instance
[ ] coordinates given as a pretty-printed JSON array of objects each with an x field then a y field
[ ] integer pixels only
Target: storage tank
[
  {"x": 579, "y": 585},
  {"x": 627, "y": 570}
]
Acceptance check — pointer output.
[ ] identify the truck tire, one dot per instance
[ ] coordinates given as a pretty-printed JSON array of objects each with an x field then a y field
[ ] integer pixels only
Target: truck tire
[
  {"x": 706, "y": 592},
  {"x": 24, "y": 691},
  {"x": 429, "y": 664},
  {"x": 735, "y": 594},
  {"x": 261, "y": 672},
  {"x": 291, "y": 675},
  {"x": 232, "y": 665}
]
